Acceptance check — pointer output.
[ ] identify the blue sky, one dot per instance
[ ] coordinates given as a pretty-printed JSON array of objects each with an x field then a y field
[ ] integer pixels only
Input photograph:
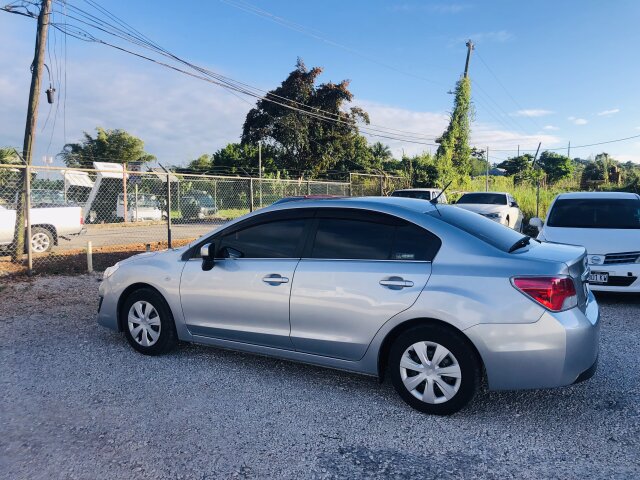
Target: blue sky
[{"x": 568, "y": 68}]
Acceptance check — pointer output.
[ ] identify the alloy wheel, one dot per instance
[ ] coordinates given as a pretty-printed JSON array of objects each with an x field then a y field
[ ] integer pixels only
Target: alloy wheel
[
  {"x": 40, "y": 242},
  {"x": 430, "y": 372}
]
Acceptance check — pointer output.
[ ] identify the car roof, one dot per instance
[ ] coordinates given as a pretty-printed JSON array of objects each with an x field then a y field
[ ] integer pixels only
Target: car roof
[
  {"x": 373, "y": 203},
  {"x": 585, "y": 195}
]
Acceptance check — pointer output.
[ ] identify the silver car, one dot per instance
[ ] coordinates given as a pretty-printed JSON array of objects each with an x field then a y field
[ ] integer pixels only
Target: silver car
[{"x": 434, "y": 297}]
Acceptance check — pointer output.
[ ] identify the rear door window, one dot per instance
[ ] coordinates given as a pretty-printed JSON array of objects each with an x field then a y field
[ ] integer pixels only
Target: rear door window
[{"x": 352, "y": 239}]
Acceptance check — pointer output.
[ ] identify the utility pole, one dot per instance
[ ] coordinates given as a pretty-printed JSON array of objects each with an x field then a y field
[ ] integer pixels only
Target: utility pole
[
  {"x": 569, "y": 150},
  {"x": 538, "y": 182},
  {"x": 470, "y": 47},
  {"x": 24, "y": 200},
  {"x": 260, "y": 169},
  {"x": 486, "y": 183}
]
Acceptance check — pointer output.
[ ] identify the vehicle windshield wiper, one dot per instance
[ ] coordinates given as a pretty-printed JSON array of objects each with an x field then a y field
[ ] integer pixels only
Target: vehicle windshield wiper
[{"x": 524, "y": 241}]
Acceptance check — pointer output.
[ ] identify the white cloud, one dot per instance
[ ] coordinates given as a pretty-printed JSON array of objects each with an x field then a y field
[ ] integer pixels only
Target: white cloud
[
  {"x": 178, "y": 117},
  {"x": 532, "y": 112},
  {"x": 606, "y": 113},
  {"x": 577, "y": 121},
  {"x": 432, "y": 124},
  {"x": 550, "y": 128}
]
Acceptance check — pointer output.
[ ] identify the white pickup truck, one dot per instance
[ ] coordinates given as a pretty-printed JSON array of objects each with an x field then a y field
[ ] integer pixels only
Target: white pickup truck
[{"x": 47, "y": 225}]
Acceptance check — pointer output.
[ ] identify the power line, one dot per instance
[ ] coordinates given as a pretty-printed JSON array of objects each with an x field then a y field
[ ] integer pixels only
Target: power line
[
  {"x": 95, "y": 22},
  {"x": 252, "y": 9},
  {"x": 516, "y": 103}
]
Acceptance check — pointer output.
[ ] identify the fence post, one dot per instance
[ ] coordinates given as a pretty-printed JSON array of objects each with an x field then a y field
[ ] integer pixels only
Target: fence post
[
  {"x": 168, "y": 210},
  {"x": 89, "y": 257},
  {"x": 350, "y": 185},
  {"x": 251, "y": 194},
  {"x": 381, "y": 186},
  {"x": 308, "y": 187},
  {"x": 27, "y": 216}
]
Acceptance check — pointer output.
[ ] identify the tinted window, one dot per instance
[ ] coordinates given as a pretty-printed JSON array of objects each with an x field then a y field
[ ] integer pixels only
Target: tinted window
[
  {"x": 422, "y": 195},
  {"x": 595, "y": 213},
  {"x": 414, "y": 243},
  {"x": 480, "y": 227},
  {"x": 352, "y": 239},
  {"x": 277, "y": 239},
  {"x": 484, "y": 198},
  {"x": 362, "y": 240}
]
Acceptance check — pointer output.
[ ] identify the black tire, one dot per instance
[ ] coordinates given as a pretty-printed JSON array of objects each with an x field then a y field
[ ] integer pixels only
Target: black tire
[
  {"x": 168, "y": 337},
  {"x": 508, "y": 222},
  {"x": 40, "y": 244},
  {"x": 458, "y": 346}
]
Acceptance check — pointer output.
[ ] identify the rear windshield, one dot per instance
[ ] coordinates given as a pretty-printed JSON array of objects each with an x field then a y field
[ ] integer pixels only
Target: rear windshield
[
  {"x": 484, "y": 198},
  {"x": 480, "y": 227},
  {"x": 595, "y": 213},
  {"x": 422, "y": 195}
]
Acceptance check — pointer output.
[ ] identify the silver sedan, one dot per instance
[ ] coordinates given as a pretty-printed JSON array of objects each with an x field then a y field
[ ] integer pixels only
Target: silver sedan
[{"x": 432, "y": 296}]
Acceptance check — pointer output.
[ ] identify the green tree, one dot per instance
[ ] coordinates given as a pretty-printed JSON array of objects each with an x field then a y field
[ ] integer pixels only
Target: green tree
[
  {"x": 517, "y": 166},
  {"x": 305, "y": 145},
  {"x": 115, "y": 146},
  {"x": 380, "y": 154},
  {"x": 556, "y": 166},
  {"x": 422, "y": 170},
  {"x": 477, "y": 162},
  {"x": 453, "y": 153}
]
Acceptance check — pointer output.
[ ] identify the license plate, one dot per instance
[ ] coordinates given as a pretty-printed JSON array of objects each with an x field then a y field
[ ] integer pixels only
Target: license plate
[{"x": 598, "y": 277}]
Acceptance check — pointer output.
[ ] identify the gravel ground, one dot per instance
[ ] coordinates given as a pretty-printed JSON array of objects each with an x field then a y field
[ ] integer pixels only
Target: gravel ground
[{"x": 78, "y": 402}]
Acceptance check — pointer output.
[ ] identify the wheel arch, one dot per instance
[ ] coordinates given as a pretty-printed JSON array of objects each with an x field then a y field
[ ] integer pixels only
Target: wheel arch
[{"x": 385, "y": 347}]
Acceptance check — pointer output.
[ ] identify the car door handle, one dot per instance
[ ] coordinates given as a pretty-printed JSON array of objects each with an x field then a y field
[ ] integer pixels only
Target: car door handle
[
  {"x": 275, "y": 279},
  {"x": 396, "y": 283}
]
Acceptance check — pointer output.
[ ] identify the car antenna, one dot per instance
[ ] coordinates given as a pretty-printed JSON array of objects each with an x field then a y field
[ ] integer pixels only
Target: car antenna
[{"x": 434, "y": 201}]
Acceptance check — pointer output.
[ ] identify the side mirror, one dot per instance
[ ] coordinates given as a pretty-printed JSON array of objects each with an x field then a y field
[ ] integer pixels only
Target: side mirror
[
  {"x": 207, "y": 254},
  {"x": 535, "y": 222},
  {"x": 514, "y": 204}
]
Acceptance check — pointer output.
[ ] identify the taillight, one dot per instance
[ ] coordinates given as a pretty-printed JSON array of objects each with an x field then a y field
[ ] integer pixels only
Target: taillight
[
  {"x": 554, "y": 293},
  {"x": 81, "y": 220}
]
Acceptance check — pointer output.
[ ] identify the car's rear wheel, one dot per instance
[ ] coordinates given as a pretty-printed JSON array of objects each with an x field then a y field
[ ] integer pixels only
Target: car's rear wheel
[
  {"x": 41, "y": 240},
  {"x": 147, "y": 322},
  {"x": 434, "y": 369}
]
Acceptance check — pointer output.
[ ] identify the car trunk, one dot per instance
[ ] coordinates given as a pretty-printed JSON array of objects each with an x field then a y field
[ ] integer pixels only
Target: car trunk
[{"x": 574, "y": 257}]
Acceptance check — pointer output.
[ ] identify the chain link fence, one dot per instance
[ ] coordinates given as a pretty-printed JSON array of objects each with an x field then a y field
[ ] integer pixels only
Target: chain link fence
[
  {"x": 366, "y": 184},
  {"x": 88, "y": 219}
]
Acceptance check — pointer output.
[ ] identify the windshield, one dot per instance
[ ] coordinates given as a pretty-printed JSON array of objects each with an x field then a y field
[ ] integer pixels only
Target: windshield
[
  {"x": 205, "y": 200},
  {"x": 595, "y": 213},
  {"x": 480, "y": 227},
  {"x": 484, "y": 198}
]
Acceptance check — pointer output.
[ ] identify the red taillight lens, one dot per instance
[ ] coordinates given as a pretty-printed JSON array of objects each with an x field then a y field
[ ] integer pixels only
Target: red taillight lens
[
  {"x": 554, "y": 293},
  {"x": 81, "y": 220}
]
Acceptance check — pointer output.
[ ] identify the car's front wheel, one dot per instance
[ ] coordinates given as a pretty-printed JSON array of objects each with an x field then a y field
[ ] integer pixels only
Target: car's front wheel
[
  {"x": 434, "y": 369},
  {"x": 147, "y": 322}
]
